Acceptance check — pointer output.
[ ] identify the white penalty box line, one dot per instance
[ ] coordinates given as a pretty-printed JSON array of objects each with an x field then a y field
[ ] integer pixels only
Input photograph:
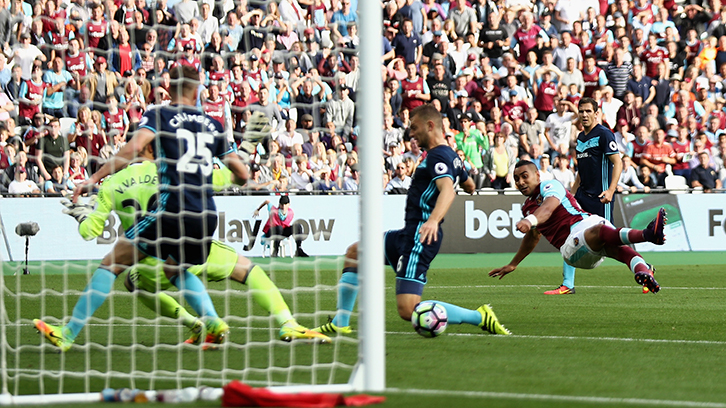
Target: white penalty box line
[{"x": 558, "y": 398}]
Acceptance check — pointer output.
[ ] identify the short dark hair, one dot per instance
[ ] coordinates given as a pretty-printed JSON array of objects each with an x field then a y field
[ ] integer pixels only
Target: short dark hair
[
  {"x": 592, "y": 102},
  {"x": 185, "y": 79},
  {"x": 523, "y": 163}
]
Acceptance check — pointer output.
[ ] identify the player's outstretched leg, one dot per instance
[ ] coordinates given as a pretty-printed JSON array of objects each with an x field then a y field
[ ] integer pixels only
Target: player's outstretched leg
[
  {"x": 91, "y": 299},
  {"x": 347, "y": 294},
  {"x": 654, "y": 232},
  {"x": 264, "y": 292},
  {"x": 482, "y": 317},
  {"x": 54, "y": 334},
  {"x": 568, "y": 281},
  {"x": 196, "y": 295},
  {"x": 143, "y": 279},
  {"x": 642, "y": 271}
]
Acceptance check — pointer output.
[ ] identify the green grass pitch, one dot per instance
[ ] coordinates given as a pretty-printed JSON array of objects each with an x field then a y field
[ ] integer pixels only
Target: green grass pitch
[{"x": 608, "y": 345}]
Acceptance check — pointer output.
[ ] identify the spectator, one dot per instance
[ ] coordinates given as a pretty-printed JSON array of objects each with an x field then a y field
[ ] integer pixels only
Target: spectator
[
  {"x": 58, "y": 184},
  {"x": 657, "y": 155},
  {"x": 289, "y": 137},
  {"x": 21, "y": 185},
  {"x": 341, "y": 112},
  {"x": 704, "y": 175},
  {"x": 56, "y": 81},
  {"x": 351, "y": 183},
  {"x": 573, "y": 76},
  {"x": 499, "y": 163},
  {"x": 464, "y": 18},
  {"x": 640, "y": 85},
  {"x": 400, "y": 182},
  {"x": 618, "y": 72},
  {"x": 628, "y": 111},
  {"x": 682, "y": 147},
  {"x": 562, "y": 172},
  {"x": 25, "y": 54},
  {"x": 302, "y": 178},
  {"x": 20, "y": 159},
  {"x": 526, "y": 35},
  {"x": 325, "y": 184},
  {"x": 558, "y": 127},
  {"x": 629, "y": 178},
  {"x": 343, "y": 18},
  {"x": 308, "y": 103},
  {"x": 532, "y": 132},
  {"x": 101, "y": 76},
  {"x": 407, "y": 44},
  {"x": 30, "y": 96},
  {"x": 472, "y": 143},
  {"x": 566, "y": 50},
  {"x": 115, "y": 120}
]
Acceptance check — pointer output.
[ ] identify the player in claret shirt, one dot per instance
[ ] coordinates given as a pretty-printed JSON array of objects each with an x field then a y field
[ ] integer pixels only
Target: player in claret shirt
[{"x": 583, "y": 239}]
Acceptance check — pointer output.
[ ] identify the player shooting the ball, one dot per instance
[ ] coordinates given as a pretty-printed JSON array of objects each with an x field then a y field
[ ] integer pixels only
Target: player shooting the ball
[{"x": 582, "y": 238}]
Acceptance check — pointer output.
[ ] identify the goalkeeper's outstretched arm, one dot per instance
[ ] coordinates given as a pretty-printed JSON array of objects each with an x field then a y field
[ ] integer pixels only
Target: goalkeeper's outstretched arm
[
  {"x": 126, "y": 155},
  {"x": 92, "y": 226},
  {"x": 239, "y": 169}
]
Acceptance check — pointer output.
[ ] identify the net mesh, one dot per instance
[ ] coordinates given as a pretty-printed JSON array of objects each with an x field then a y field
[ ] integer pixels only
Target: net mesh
[{"x": 126, "y": 345}]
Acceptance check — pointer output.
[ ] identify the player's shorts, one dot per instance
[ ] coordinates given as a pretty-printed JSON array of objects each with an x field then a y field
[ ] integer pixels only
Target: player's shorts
[
  {"x": 149, "y": 275},
  {"x": 591, "y": 203},
  {"x": 575, "y": 250},
  {"x": 409, "y": 257},
  {"x": 187, "y": 238}
]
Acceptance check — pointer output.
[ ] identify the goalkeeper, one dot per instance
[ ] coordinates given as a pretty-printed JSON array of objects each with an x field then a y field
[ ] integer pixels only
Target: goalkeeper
[{"x": 132, "y": 191}]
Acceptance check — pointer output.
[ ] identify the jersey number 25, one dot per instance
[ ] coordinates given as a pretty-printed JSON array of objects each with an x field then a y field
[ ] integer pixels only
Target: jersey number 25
[{"x": 196, "y": 146}]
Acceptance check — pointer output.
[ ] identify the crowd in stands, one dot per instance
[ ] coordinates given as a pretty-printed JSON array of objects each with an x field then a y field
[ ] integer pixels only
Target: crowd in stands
[{"x": 507, "y": 75}]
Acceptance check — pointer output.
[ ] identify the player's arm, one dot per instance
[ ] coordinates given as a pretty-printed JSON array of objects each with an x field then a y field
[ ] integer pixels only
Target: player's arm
[
  {"x": 429, "y": 231},
  {"x": 529, "y": 242},
  {"x": 542, "y": 214},
  {"x": 576, "y": 184},
  {"x": 257, "y": 211},
  {"x": 92, "y": 226},
  {"x": 468, "y": 185},
  {"x": 239, "y": 169},
  {"x": 124, "y": 156},
  {"x": 607, "y": 195}
]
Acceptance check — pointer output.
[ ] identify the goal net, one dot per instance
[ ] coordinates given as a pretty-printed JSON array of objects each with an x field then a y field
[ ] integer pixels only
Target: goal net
[{"x": 125, "y": 344}]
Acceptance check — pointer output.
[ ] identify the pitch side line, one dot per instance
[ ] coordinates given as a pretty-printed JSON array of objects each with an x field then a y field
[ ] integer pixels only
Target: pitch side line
[
  {"x": 621, "y": 339},
  {"x": 579, "y": 286},
  {"x": 562, "y": 398},
  {"x": 513, "y": 336}
]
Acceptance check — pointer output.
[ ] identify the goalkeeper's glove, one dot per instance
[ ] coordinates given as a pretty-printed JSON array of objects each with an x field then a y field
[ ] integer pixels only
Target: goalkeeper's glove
[{"x": 79, "y": 211}]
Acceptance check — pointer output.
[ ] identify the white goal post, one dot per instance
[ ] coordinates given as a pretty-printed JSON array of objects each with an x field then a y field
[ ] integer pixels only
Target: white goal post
[{"x": 33, "y": 372}]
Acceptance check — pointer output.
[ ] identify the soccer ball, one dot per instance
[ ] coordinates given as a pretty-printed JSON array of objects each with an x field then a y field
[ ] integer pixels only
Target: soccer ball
[{"x": 429, "y": 319}]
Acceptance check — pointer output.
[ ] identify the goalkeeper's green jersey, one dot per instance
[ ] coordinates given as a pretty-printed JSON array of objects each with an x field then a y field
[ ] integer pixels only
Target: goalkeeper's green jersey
[{"x": 131, "y": 193}]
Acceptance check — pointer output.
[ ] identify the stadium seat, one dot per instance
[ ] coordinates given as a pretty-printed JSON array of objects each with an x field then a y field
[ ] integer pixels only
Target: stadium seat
[
  {"x": 676, "y": 184},
  {"x": 511, "y": 191},
  {"x": 65, "y": 124},
  {"x": 267, "y": 247}
]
